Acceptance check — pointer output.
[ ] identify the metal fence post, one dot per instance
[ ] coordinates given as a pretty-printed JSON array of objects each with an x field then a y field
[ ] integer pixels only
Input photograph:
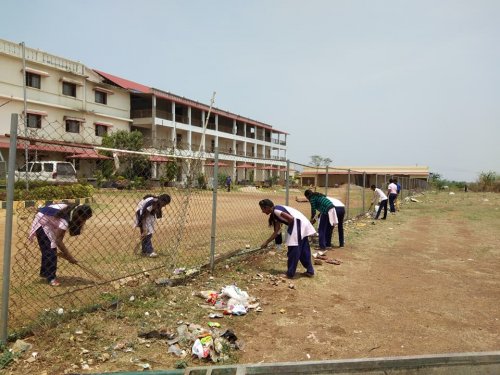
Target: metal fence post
[
  {"x": 8, "y": 229},
  {"x": 215, "y": 186},
  {"x": 348, "y": 192},
  {"x": 287, "y": 182},
  {"x": 364, "y": 187}
]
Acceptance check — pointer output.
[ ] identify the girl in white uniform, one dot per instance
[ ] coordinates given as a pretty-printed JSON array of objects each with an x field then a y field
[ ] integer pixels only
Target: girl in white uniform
[{"x": 299, "y": 228}]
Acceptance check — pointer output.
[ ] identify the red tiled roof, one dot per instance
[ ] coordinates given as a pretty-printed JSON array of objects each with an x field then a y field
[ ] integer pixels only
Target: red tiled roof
[
  {"x": 125, "y": 83},
  {"x": 138, "y": 88}
]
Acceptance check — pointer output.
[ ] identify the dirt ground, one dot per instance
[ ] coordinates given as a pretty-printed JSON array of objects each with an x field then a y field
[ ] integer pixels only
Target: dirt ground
[{"x": 424, "y": 281}]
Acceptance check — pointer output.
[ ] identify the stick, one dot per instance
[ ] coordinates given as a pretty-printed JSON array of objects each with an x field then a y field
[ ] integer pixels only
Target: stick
[
  {"x": 85, "y": 268},
  {"x": 90, "y": 271}
]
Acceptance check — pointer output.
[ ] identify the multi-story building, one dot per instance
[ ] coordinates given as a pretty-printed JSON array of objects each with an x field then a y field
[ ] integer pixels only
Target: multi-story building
[
  {"x": 72, "y": 106},
  {"x": 177, "y": 124},
  {"x": 68, "y": 107}
]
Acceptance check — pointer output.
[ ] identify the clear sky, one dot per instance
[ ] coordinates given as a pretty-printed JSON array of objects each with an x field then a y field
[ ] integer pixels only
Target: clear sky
[{"x": 389, "y": 82}]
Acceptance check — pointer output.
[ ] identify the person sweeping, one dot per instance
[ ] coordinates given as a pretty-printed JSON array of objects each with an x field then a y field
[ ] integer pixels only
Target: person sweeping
[
  {"x": 328, "y": 217},
  {"x": 50, "y": 226},
  {"x": 299, "y": 228},
  {"x": 148, "y": 210}
]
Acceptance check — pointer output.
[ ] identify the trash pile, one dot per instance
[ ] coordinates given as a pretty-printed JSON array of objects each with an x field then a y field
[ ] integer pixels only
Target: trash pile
[
  {"x": 231, "y": 300},
  {"x": 211, "y": 343}
]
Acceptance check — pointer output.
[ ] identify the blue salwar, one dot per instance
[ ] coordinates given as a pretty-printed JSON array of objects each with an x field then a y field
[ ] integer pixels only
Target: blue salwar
[
  {"x": 147, "y": 244},
  {"x": 324, "y": 232},
  {"x": 48, "y": 267},
  {"x": 300, "y": 253}
]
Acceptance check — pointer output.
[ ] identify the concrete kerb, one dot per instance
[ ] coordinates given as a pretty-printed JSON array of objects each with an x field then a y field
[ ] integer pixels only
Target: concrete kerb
[{"x": 485, "y": 363}]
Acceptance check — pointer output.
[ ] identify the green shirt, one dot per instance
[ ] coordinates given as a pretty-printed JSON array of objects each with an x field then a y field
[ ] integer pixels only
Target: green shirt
[{"x": 320, "y": 203}]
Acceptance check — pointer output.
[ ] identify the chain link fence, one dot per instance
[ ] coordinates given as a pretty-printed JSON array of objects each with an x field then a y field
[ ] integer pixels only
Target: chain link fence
[{"x": 213, "y": 211}]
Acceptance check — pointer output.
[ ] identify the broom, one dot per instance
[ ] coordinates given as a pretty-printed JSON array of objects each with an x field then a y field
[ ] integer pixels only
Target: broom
[{"x": 87, "y": 269}]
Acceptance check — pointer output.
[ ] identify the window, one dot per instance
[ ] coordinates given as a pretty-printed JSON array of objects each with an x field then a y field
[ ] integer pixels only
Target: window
[
  {"x": 101, "y": 130},
  {"x": 34, "y": 121},
  {"x": 101, "y": 97},
  {"x": 69, "y": 89},
  {"x": 33, "y": 80},
  {"x": 212, "y": 144},
  {"x": 37, "y": 167},
  {"x": 72, "y": 126},
  {"x": 48, "y": 167}
]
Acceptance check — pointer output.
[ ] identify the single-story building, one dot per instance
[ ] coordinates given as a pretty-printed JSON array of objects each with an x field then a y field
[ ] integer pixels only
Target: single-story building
[{"x": 379, "y": 176}]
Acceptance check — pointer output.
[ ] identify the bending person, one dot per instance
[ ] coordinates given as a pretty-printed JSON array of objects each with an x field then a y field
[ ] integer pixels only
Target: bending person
[
  {"x": 327, "y": 217},
  {"x": 299, "y": 228},
  {"x": 148, "y": 210},
  {"x": 382, "y": 201},
  {"x": 340, "y": 211},
  {"x": 50, "y": 225}
]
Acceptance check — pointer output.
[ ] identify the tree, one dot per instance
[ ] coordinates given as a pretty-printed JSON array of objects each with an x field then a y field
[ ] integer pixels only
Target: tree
[
  {"x": 319, "y": 161},
  {"x": 134, "y": 165},
  {"x": 124, "y": 140},
  {"x": 487, "y": 180}
]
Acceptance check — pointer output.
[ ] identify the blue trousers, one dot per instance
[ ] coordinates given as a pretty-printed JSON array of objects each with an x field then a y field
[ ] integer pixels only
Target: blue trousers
[
  {"x": 48, "y": 267},
  {"x": 300, "y": 253},
  {"x": 381, "y": 205},
  {"x": 324, "y": 232},
  {"x": 392, "y": 199},
  {"x": 340, "y": 226},
  {"x": 147, "y": 244}
]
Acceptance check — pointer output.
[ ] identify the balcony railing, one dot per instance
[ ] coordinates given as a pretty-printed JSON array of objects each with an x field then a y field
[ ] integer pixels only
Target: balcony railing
[{"x": 141, "y": 113}]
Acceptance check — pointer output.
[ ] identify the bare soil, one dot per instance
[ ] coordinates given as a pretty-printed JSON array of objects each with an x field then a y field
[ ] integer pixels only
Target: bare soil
[{"x": 424, "y": 281}]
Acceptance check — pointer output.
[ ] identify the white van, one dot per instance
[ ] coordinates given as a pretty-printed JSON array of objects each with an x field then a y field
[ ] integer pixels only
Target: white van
[{"x": 54, "y": 171}]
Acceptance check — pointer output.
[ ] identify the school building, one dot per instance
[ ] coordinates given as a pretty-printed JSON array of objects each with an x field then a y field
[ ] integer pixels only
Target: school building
[
  {"x": 70, "y": 107},
  {"x": 378, "y": 176}
]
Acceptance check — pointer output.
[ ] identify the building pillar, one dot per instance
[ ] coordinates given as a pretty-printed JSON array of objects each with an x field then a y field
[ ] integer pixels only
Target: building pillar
[
  {"x": 174, "y": 131},
  {"x": 203, "y": 132},
  {"x": 190, "y": 133},
  {"x": 235, "y": 131},
  {"x": 153, "y": 125}
]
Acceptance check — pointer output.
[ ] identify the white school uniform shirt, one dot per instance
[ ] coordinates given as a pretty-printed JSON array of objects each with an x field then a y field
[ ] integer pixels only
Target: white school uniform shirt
[
  {"x": 148, "y": 223},
  {"x": 336, "y": 202},
  {"x": 393, "y": 188},
  {"x": 306, "y": 228},
  {"x": 381, "y": 195},
  {"x": 49, "y": 224}
]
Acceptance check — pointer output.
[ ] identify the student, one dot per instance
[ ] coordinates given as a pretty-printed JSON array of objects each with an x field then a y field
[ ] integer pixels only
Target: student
[
  {"x": 382, "y": 198},
  {"x": 327, "y": 214},
  {"x": 148, "y": 210},
  {"x": 228, "y": 183},
  {"x": 392, "y": 192},
  {"x": 50, "y": 225},
  {"x": 299, "y": 228},
  {"x": 399, "y": 191},
  {"x": 340, "y": 211}
]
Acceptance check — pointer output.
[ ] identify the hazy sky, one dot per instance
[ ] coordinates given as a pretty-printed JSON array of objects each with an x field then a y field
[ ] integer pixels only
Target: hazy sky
[{"x": 361, "y": 82}]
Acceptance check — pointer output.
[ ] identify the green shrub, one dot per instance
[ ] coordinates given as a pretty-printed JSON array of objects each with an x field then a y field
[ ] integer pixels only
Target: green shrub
[{"x": 52, "y": 192}]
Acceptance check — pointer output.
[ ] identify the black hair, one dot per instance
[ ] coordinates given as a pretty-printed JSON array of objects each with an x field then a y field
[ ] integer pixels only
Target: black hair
[
  {"x": 309, "y": 194},
  {"x": 78, "y": 215},
  {"x": 164, "y": 198},
  {"x": 268, "y": 203},
  {"x": 373, "y": 187}
]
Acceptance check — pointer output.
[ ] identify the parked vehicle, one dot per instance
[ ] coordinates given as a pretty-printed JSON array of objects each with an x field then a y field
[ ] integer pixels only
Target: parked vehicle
[{"x": 54, "y": 171}]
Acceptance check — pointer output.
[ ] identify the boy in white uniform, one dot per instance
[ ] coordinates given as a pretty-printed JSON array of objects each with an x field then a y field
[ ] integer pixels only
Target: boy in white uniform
[{"x": 382, "y": 199}]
